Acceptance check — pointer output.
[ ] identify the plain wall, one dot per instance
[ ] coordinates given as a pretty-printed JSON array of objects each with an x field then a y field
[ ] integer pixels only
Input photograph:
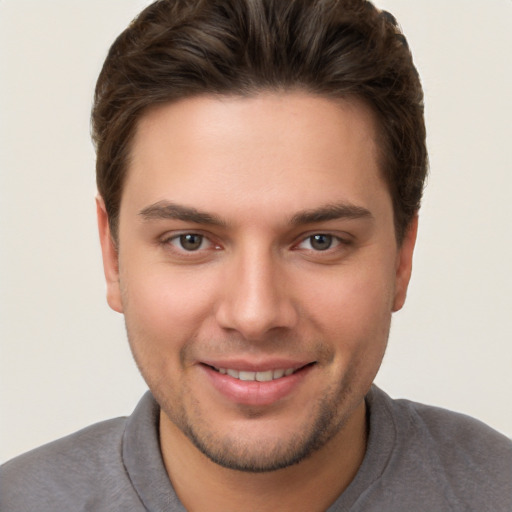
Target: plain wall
[{"x": 65, "y": 362}]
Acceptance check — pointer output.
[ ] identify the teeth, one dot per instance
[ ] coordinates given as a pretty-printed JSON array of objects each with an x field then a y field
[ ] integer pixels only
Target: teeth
[
  {"x": 265, "y": 376},
  {"x": 278, "y": 374}
]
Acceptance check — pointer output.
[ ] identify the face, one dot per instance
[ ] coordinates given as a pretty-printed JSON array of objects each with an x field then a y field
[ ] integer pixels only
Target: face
[{"x": 257, "y": 269}]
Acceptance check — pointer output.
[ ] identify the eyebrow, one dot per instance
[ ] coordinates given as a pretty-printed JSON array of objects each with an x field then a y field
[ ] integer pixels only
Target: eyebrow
[
  {"x": 163, "y": 210},
  {"x": 331, "y": 212}
]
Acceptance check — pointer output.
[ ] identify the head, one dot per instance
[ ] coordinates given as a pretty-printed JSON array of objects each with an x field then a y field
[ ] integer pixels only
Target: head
[
  {"x": 337, "y": 49},
  {"x": 260, "y": 167}
]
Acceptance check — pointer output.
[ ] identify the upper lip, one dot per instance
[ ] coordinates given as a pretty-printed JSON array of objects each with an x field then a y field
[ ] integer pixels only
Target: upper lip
[{"x": 256, "y": 366}]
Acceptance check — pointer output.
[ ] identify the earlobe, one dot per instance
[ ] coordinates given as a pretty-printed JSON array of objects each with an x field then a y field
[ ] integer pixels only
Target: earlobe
[
  {"x": 110, "y": 257},
  {"x": 404, "y": 264}
]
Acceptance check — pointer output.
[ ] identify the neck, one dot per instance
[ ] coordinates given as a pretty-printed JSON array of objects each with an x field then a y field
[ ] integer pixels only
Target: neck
[{"x": 311, "y": 485}]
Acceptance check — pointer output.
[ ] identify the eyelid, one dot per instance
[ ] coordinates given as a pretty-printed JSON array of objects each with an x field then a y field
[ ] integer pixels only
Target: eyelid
[
  {"x": 343, "y": 240},
  {"x": 334, "y": 244},
  {"x": 168, "y": 239},
  {"x": 177, "y": 241}
]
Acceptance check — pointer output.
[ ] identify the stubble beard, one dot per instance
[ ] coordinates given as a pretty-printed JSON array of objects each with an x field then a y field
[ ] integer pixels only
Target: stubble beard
[{"x": 235, "y": 452}]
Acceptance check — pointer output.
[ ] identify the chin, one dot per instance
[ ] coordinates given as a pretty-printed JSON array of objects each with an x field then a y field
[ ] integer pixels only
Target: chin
[{"x": 254, "y": 445}]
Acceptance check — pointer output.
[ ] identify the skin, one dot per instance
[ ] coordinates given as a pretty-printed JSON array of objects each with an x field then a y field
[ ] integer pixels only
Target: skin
[{"x": 255, "y": 179}]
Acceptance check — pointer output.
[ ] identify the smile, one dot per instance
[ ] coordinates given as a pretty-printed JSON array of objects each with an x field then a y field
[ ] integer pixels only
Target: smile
[
  {"x": 242, "y": 384},
  {"x": 265, "y": 376}
]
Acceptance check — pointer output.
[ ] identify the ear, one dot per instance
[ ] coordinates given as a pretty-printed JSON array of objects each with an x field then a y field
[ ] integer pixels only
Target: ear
[
  {"x": 110, "y": 257},
  {"x": 404, "y": 264}
]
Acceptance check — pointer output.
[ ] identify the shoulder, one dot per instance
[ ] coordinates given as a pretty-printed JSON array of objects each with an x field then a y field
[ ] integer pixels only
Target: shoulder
[
  {"x": 62, "y": 474},
  {"x": 457, "y": 437},
  {"x": 462, "y": 459}
]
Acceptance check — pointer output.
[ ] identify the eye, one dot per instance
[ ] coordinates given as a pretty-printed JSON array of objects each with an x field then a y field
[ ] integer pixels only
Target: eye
[
  {"x": 190, "y": 242},
  {"x": 319, "y": 242}
]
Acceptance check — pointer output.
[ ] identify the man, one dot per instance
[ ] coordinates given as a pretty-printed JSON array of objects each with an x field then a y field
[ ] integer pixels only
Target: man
[{"x": 260, "y": 166}]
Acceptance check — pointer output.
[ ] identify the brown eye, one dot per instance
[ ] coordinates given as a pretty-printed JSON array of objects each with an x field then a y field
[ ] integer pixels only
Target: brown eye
[
  {"x": 320, "y": 242},
  {"x": 191, "y": 241}
]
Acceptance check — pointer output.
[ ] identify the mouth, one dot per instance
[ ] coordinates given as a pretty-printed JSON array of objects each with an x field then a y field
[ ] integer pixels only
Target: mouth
[
  {"x": 244, "y": 383},
  {"x": 258, "y": 376}
]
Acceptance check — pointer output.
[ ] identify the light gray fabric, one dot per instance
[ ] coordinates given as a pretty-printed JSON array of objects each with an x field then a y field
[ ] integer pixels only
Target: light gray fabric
[{"x": 419, "y": 458}]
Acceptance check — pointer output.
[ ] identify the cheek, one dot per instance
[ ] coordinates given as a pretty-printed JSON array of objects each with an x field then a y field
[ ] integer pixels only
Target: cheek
[
  {"x": 163, "y": 305},
  {"x": 354, "y": 306}
]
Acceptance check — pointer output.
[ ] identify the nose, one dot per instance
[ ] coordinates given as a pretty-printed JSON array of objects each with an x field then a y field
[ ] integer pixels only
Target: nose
[{"x": 256, "y": 297}]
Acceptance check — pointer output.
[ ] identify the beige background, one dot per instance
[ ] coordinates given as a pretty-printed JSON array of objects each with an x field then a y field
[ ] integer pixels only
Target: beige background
[{"x": 64, "y": 359}]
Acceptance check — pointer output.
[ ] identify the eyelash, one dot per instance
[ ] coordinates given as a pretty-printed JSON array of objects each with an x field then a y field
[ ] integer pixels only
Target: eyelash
[
  {"x": 332, "y": 239},
  {"x": 174, "y": 240}
]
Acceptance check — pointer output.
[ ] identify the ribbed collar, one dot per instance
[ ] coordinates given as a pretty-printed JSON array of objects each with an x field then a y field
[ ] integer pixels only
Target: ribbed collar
[{"x": 143, "y": 459}]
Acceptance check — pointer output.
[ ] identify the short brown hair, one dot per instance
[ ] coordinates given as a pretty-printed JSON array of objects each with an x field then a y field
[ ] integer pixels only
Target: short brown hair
[{"x": 334, "y": 48}]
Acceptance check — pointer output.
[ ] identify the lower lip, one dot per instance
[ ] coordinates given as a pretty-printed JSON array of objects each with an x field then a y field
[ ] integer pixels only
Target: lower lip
[{"x": 254, "y": 392}]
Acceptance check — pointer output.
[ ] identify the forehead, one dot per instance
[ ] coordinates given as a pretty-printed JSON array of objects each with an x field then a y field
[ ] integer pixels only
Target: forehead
[{"x": 286, "y": 150}]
